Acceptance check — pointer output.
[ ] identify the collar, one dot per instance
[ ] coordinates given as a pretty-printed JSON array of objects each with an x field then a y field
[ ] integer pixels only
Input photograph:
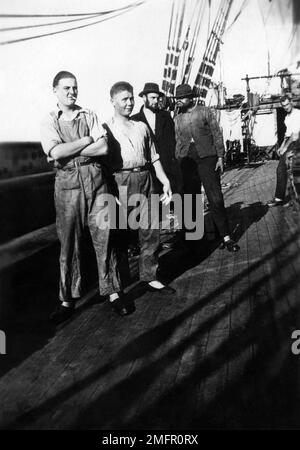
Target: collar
[
  {"x": 148, "y": 111},
  {"x": 112, "y": 121},
  {"x": 193, "y": 108},
  {"x": 77, "y": 110}
]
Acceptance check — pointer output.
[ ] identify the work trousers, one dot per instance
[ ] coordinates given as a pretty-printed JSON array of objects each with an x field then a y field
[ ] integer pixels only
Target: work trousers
[
  {"x": 78, "y": 204},
  {"x": 197, "y": 171},
  {"x": 138, "y": 186},
  {"x": 281, "y": 178}
]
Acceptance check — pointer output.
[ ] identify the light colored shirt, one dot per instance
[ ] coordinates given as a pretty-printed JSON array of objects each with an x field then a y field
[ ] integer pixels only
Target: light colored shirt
[
  {"x": 135, "y": 142},
  {"x": 57, "y": 129},
  {"x": 151, "y": 118},
  {"x": 292, "y": 122}
]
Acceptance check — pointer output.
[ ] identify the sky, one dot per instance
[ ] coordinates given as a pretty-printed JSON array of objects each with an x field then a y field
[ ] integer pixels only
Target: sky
[{"x": 130, "y": 47}]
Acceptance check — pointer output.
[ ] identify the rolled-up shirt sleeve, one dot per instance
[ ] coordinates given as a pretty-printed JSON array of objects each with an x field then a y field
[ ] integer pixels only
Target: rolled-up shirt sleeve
[
  {"x": 216, "y": 133},
  {"x": 49, "y": 136},
  {"x": 96, "y": 129}
]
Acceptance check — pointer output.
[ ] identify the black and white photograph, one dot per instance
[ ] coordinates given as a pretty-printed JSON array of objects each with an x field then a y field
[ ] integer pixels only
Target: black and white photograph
[{"x": 149, "y": 218}]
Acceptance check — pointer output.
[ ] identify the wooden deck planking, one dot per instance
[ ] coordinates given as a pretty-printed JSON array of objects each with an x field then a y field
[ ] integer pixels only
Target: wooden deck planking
[
  {"x": 180, "y": 388},
  {"x": 128, "y": 388},
  {"x": 238, "y": 310},
  {"x": 41, "y": 373},
  {"x": 108, "y": 366},
  {"x": 243, "y": 341},
  {"x": 149, "y": 314},
  {"x": 274, "y": 335}
]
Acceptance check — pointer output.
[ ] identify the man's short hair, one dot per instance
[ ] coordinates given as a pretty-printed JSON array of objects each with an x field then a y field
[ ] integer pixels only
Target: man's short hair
[
  {"x": 285, "y": 97},
  {"x": 60, "y": 75},
  {"x": 120, "y": 86}
]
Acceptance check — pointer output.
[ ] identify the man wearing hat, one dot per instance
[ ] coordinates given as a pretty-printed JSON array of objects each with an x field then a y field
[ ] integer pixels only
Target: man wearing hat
[
  {"x": 200, "y": 148},
  {"x": 161, "y": 126}
]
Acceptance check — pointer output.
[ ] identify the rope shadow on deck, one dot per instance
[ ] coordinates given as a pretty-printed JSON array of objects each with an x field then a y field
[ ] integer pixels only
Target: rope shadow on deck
[
  {"x": 171, "y": 407},
  {"x": 257, "y": 397},
  {"x": 31, "y": 292},
  {"x": 241, "y": 218},
  {"x": 146, "y": 343}
]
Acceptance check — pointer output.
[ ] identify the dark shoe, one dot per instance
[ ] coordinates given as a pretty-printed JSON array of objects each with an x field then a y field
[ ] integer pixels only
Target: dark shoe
[
  {"x": 133, "y": 250},
  {"x": 230, "y": 245},
  {"x": 119, "y": 306},
  {"x": 168, "y": 245},
  {"x": 166, "y": 290},
  {"x": 61, "y": 314},
  {"x": 274, "y": 202}
]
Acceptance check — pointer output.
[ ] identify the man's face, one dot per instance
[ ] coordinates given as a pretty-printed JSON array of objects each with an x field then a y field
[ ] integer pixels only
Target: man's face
[
  {"x": 287, "y": 106},
  {"x": 66, "y": 91},
  {"x": 123, "y": 103},
  {"x": 151, "y": 101},
  {"x": 184, "y": 103}
]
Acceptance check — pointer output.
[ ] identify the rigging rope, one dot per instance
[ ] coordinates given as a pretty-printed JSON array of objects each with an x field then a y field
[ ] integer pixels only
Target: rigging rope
[
  {"x": 25, "y": 27},
  {"x": 177, "y": 51},
  {"x": 122, "y": 11},
  {"x": 66, "y": 15},
  {"x": 172, "y": 58},
  {"x": 194, "y": 42},
  {"x": 242, "y": 8},
  {"x": 206, "y": 69},
  {"x": 209, "y": 14}
]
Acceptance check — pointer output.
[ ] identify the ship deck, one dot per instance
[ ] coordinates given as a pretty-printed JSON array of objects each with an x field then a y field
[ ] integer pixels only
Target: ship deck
[{"x": 215, "y": 355}]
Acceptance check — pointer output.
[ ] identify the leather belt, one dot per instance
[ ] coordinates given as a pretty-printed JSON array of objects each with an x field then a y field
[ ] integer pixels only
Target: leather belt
[
  {"x": 84, "y": 163},
  {"x": 133, "y": 169},
  {"x": 75, "y": 164}
]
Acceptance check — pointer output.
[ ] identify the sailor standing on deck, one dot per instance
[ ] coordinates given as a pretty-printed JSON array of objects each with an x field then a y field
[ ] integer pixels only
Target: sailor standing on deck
[
  {"x": 161, "y": 126},
  {"x": 72, "y": 137},
  {"x": 131, "y": 153},
  {"x": 199, "y": 145},
  {"x": 162, "y": 130},
  {"x": 292, "y": 123}
]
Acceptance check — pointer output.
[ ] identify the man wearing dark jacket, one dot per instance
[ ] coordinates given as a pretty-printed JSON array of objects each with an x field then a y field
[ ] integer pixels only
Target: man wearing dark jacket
[
  {"x": 161, "y": 128},
  {"x": 199, "y": 145}
]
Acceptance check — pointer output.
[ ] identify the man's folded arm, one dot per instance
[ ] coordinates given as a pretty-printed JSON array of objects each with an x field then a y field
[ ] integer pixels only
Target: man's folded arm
[
  {"x": 53, "y": 145},
  {"x": 68, "y": 149},
  {"x": 98, "y": 148}
]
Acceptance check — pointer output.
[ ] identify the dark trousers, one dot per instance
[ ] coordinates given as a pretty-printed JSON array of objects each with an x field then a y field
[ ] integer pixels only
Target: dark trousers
[
  {"x": 281, "y": 179},
  {"x": 78, "y": 204},
  {"x": 132, "y": 184},
  {"x": 197, "y": 171}
]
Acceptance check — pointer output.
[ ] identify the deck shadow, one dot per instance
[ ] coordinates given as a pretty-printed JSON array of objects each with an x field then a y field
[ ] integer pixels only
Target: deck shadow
[
  {"x": 244, "y": 403},
  {"x": 34, "y": 297},
  {"x": 123, "y": 394}
]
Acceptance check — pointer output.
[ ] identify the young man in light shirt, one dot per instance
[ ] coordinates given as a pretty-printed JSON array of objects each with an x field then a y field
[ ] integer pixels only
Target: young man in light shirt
[
  {"x": 72, "y": 137},
  {"x": 292, "y": 123},
  {"x": 132, "y": 153}
]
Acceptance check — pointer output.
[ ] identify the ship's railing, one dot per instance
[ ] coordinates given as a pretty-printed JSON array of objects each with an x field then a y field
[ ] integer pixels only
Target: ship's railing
[
  {"x": 27, "y": 231},
  {"x": 26, "y": 204}
]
